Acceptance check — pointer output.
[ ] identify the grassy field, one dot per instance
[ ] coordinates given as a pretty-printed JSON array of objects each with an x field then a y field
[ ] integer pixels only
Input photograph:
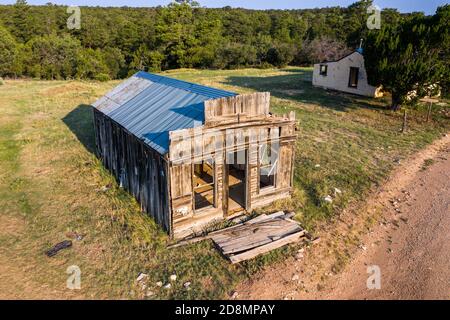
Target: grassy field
[{"x": 52, "y": 185}]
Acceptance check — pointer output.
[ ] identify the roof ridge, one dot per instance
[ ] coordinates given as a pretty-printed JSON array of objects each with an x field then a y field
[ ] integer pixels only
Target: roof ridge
[
  {"x": 184, "y": 85},
  {"x": 345, "y": 56}
]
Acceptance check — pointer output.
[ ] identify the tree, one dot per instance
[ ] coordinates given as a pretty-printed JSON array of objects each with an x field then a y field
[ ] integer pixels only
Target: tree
[
  {"x": 10, "y": 55},
  {"x": 183, "y": 34},
  {"x": 408, "y": 57},
  {"x": 115, "y": 62},
  {"x": 145, "y": 59},
  {"x": 322, "y": 49},
  {"x": 22, "y": 21},
  {"x": 53, "y": 57},
  {"x": 280, "y": 55},
  {"x": 176, "y": 33},
  {"x": 236, "y": 55},
  {"x": 356, "y": 21},
  {"x": 90, "y": 64},
  {"x": 442, "y": 34}
]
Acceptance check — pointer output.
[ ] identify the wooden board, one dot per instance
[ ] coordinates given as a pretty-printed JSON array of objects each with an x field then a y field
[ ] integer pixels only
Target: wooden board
[
  {"x": 245, "y": 107},
  {"x": 267, "y": 247},
  {"x": 257, "y": 236}
]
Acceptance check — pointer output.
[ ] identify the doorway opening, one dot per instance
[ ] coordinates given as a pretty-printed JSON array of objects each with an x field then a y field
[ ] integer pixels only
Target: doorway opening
[
  {"x": 236, "y": 178},
  {"x": 353, "y": 77},
  {"x": 204, "y": 184}
]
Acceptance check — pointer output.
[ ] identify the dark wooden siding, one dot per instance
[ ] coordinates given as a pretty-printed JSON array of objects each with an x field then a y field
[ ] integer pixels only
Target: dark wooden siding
[{"x": 137, "y": 167}]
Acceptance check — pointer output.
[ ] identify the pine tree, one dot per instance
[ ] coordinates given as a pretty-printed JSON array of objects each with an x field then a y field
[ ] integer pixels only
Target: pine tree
[{"x": 406, "y": 58}]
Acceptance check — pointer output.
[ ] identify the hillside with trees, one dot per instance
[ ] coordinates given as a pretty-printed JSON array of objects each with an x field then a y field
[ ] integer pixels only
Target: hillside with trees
[{"x": 115, "y": 42}]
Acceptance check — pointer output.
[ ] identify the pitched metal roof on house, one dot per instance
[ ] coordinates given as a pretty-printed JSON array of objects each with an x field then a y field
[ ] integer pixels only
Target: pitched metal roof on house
[{"x": 150, "y": 106}]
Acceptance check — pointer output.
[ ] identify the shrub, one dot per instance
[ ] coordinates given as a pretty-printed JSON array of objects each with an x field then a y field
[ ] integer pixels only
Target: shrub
[
  {"x": 103, "y": 77},
  {"x": 280, "y": 55}
]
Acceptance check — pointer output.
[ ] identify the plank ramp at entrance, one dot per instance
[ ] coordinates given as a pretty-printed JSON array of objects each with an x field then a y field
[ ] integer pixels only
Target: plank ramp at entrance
[{"x": 257, "y": 236}]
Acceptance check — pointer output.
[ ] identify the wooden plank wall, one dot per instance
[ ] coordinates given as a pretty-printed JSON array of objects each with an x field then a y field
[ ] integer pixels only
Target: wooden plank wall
[
  {"x": 241, "y": 108},
  {"x": 138, "y": 168},
  {"x": 190, "y": 145}
]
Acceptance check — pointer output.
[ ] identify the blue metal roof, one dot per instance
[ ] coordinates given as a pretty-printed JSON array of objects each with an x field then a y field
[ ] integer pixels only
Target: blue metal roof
[{"x": 150, "y": 106}]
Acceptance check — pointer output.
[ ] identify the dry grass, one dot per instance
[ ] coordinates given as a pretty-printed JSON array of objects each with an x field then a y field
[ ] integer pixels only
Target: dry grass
[{"x": 51, "y": 185}]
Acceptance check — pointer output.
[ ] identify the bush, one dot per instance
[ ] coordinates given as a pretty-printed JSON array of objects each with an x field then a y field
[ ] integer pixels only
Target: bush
[
  {"x": 280, "y": 55},
  {"x": 146, "y": 59},
  {"x": 265, "y": 65},
  {"x": 90, "y": 64},
  {"x": 236, "y": 55},
  {"x": 103, "y": 77}
]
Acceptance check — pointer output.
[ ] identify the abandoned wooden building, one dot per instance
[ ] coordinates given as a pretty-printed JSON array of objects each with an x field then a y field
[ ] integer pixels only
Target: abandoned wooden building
[{"x": 192, "y": 154}]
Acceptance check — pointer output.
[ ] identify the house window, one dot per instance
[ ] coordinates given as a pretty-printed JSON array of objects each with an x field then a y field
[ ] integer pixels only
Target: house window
[
  {"x": 323, "y": 69},
  {"x": 353, "y": 77},
  {"x": 268, "y": 160},
  {"x": 204, "y": 184}
]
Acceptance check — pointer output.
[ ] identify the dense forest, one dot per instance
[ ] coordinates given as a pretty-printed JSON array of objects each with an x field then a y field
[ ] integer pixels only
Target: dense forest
[{"x": 115, "y": 42}]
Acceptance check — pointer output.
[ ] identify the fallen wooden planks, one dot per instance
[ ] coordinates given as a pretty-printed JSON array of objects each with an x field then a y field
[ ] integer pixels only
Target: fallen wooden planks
[
  {"x": 267, "y": 247},
  {"x": 254, "y": 237},
  {"x": 257, "y": 236}
]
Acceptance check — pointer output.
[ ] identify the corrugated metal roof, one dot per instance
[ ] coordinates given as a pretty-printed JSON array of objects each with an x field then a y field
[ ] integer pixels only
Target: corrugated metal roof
[{"x": 150, "y": 106}]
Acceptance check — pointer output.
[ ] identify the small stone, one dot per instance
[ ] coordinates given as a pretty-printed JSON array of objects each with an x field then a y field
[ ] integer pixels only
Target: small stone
[
  {"x": 328, "y": 199},
  {"x": 295, "y": 277},
  {"x": 187, "y": 284},
  {"x": 159, "y": 284},
  {"x": 150, "y": 293},
  {"x": 173, "y": 277},
  {"x": 141, "y": 277},
  {"x": 337, "y": 191},
  {"x": 168, "y": 286},
  {"x": 234, "y": 294},
  {"x": 105, "y": 188},
  {"x": 317, "y": 166}
]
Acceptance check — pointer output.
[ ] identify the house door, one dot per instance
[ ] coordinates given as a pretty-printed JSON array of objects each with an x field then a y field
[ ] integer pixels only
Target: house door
[
  {"x": 235, "y": 182},
  {"x": 353, "y": 77}
]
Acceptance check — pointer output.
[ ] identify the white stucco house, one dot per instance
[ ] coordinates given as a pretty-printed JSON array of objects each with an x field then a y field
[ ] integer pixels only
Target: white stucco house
[{"x": 347, "y": 74}]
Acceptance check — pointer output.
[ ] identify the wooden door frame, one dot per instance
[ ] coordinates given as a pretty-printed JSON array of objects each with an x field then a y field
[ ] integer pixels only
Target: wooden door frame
[{"x": 226, "y": 185}]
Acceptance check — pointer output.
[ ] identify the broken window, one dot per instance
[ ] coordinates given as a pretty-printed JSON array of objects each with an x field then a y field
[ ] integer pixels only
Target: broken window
[
  {"x": 268, "y": 160},
  {"x": 323, "y": 69},
  {"x": 204, "y": 184},
  {"x": 353, "y": 77}
]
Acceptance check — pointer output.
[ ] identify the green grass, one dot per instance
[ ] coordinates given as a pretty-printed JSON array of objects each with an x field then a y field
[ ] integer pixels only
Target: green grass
[{"x": 51, "y": 183}]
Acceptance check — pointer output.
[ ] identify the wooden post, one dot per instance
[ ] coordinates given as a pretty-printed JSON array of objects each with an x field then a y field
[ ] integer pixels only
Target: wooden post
[
  {"x": 429, "y": 111},
  {"x": 404, "y": 121}
]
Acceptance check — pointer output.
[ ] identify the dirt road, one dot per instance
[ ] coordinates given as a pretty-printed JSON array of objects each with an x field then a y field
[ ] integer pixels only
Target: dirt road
[{"x": 410, "y": 242}]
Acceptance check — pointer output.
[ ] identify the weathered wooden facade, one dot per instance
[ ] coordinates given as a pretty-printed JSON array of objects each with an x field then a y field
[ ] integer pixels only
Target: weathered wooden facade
[{"x": 192, "y": 154}]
